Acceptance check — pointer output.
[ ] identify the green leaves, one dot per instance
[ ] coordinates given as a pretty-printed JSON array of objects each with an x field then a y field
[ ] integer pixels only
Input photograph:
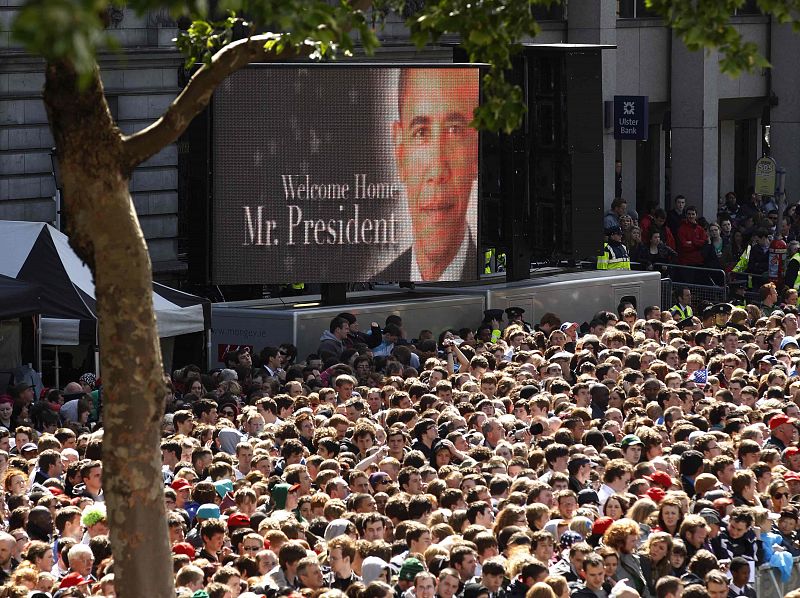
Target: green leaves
[
  {"x": 489, "y": 31},
  {"x": 63, "y": 29},
  {"x": 203, "y": 39},
  {"x": 707, "y": 25}
]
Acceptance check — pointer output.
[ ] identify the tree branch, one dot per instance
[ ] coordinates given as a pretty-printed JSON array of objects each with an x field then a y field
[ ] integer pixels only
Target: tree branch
[{"x": 196, "y": 95}]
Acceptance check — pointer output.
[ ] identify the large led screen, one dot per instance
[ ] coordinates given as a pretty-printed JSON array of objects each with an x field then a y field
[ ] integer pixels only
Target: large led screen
[{"x": 345, "y": 173}]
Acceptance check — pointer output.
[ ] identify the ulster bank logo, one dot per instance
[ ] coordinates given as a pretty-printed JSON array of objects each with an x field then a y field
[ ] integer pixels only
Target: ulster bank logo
[{"x": 628, "y": 108}]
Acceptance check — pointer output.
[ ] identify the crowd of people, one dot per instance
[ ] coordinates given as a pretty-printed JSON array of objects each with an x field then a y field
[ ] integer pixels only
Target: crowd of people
[
  {"x": 644, "y": 453},
  {"x": 736, "y": 241}
]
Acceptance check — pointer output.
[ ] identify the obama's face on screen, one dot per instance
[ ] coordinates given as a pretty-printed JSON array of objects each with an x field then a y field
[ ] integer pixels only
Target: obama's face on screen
[{"x": 437, "y": 158}]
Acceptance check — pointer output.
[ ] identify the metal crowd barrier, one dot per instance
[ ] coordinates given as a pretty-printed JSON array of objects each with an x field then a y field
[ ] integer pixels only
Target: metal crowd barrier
[
  {"x": 667, "y": 298},
  {"x": 706, "y": 284},
  {"x": 769, "y": 583}
]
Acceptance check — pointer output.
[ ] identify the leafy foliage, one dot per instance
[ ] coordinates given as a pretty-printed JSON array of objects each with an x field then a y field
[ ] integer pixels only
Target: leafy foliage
[
  {"x": 707, "y": 24},
  {"x": 59, "y": 29},
  {"x": 489, "y": 32},
  {"x": 73, "y": 30}
]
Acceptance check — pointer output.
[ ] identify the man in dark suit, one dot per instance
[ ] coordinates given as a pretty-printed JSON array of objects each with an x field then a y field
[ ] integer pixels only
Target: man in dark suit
[
  {"x": 437, "y": 160},
  {"x": 740, "y": 574}
]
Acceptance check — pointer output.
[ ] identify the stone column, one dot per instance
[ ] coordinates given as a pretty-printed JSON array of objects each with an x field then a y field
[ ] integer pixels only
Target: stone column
[
  {"x": 695, "y": 137},
  {"x": 784, "y": 130}
]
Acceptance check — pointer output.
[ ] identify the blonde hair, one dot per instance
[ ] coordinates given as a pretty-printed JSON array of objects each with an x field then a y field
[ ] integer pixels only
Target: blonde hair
[
  {"x": 541, "y": 590},
  {"x": 760, "y": 515}
]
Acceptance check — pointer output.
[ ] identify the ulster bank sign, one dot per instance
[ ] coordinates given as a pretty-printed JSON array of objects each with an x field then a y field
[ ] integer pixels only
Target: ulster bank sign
[{"x": 630, "y": 117}]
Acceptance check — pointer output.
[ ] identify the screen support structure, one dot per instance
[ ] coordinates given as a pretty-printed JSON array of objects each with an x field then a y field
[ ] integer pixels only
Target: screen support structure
[{"x": 333, "y": 293}]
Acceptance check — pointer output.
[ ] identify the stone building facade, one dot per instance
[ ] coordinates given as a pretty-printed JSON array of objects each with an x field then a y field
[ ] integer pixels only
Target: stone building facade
[{"x": 706, "y": 130}]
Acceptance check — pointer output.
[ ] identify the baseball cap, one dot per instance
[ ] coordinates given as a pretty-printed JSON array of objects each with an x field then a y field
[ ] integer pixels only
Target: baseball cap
[
  {"x": 207, "y": 511},
  {"x": 567, "y": 325},
  {"x": 656, "y": 494},
  {"x": 565, "y": 355},
  {"x": 774, "y": 422},
  {"x": 181, "y": 484},
  {"x": 789, "y": 340},
  {"x": 410, "y": 568},
  {"x": 238, "y": 520},
  {"x": 587, "y": 496},
  {"x": 73, "y": 579},
  {"x": 661, "y": 478},
  {"x": 790, "y": 452},
  {"x": 791, "y": 476},
  {"x": 570, "y": 537},
  {"x": 184, "y": 548},
  {"x": 711, "y": 516},
  {"x": 770, "y": 359},
  {"x": 600, "y": 525},
  {"x": 223, "y": 487},
  {"x": 631, "y": 440},
  {"x": 614, "y": 230},
  {"x": 29, "y": 447}
]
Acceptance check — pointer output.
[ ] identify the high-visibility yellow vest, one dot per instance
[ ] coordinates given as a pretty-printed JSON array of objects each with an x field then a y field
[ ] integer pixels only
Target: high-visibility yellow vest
[
  {"x": 493, "y": 261},
  {"x": 685, "y": 312},
  {"x": 609, "y": 260},
  {"x": 744, "y": 261},
  {"x": 796, "y": 284}
]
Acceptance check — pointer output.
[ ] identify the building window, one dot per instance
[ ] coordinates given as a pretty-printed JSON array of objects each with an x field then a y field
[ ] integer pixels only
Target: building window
[
  {"x": 634, "y": 9},
  {"x": 750, "y": 7},
  {"x": 555, "y": 12}
]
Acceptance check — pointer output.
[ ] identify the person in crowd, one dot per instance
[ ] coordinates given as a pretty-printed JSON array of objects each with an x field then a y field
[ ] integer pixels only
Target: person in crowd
[
  {"x": 692, "y": 238},
  {"x": 615, "y": 255},
  {"x": 559, "y": 459},
  {"x": 676, "y": 215},
  {"x": 652, "y": 253}
]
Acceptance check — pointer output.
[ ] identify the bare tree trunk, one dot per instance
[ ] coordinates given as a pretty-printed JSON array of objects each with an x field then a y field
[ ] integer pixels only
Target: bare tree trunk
[{"x": 104, "y": 231}]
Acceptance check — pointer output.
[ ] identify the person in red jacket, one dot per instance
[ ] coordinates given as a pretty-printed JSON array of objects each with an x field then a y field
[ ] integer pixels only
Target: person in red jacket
[
  {"x": 657, "y": 223},
  {"x": 691, "y": 239}
]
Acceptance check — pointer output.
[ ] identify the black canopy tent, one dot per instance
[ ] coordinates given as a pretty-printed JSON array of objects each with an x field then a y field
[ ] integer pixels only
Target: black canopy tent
[
  {"x": 18, "y": 299},
  {"x": 20, "y": 307}
]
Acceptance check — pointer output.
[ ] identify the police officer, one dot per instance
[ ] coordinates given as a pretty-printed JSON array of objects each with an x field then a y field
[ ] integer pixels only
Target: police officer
[
  {"x": 494, "y": 318},
  {"x": 514, "y": 315},
  {"x": 615, "y": 254},
  {"x": 722, "y": 314},
  {"x": 737, "y": 297}
]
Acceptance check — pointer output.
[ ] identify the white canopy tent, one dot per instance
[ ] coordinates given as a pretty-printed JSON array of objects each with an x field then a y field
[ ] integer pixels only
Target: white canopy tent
[{"x": 35, "y": 252}]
